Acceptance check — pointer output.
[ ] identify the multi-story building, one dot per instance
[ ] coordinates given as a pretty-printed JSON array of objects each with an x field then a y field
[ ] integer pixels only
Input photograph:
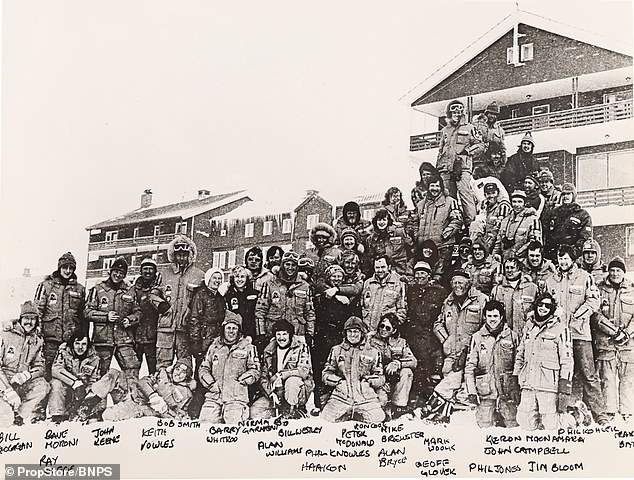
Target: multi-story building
[
  {"x": 148, "y": 230},
  {"x": 285, "y": 222},
  {"x": 571, "y": 89}
]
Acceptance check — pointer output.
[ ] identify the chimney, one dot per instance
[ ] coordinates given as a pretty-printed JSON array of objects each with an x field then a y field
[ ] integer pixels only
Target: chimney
[
  {"x": 311, "y": 193},
  {"x": 146, "y": 198},
  {"x": 203, "y": 194}
]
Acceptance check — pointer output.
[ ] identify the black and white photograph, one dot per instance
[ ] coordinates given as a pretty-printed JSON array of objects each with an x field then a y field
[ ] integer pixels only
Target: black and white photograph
[{"x": 254, "y": 239}]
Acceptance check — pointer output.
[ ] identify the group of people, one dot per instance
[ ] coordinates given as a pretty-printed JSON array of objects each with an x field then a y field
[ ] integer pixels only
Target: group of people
[{"x": 467, "y": 301}]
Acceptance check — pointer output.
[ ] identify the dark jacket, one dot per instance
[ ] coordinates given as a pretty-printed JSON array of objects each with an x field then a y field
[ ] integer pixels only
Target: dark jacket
[
  {"x": 568, "y": 224},
  {"x": 208, "y": 313},
  {"x": 61, "y": 305},
  {"x": 148, "y": 321},
  {"x": 243, "y": 303}
]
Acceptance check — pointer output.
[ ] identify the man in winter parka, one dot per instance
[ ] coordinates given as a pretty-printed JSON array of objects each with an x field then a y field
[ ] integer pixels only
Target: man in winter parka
[
  {"x": 286, "y": 378},
  {"x": 355, "y": 371},
  {"x": 60, "y": 300},
  {"x": 382, "y": 293},
  {"x": 492, "y": 133},
  {"x": 179, "y": 283},
  {"x": 150, "y": 296},
  {"x": 543, "y": 366},
  {"x": 75, "y": 369},
  {"x": 351, "y": 218},
  {"x": 520, "y": 164},
  {"x": 516, "y": 293},
  {"x": 460, "y": 144},
  {"x": 613, "y": 329},
  {"x": 113, "y": 310},
  {"x": 578, "y": 298},
  {"x": 439, "y": 220},
  {"x": 493, "y": 209},
  {"x": 538, "y": 267},
  {"x": 484, "y": 270},
  {"x": 325, "y": 253},
  {"x": 260, "y": 275},
  {"x": 567, "y": 224},
  {"x": 489, "y": 369},
  {"x": 287, "y": 297},
  {"x": 22, "y": 385},
  {"x": 230, "y": 365},
  {"x": 517, "y": 229}
]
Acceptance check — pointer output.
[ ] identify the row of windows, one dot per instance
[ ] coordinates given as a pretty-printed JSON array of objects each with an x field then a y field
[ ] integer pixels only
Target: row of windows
[
  {"x": 605, "y": 170},
  {"x": 180, "y": 227}
]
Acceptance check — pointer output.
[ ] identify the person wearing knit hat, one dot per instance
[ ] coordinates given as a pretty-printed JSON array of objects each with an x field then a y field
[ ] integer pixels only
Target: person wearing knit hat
[
  {"x": 576, "y": 293},
  {"x": 534, "y": 198},
  {"x": 150, "y": 295},
  {"x": 520, "y": 164},
  {"x": 482, "y": 267},
  {"x": 287, "y": 379},
  {"x": 492, "y": 133},
  {"x": 349, "y": 239},
  {"x": 344, "y": 404},
  {"x": 547, "y": 188},
  {"x": 351, "y": 218},
  {"x": 590, "y": 260},
  {"x": 489, "y": 365},
  {"x": 613, "y": 329},
  {"x": 566, "y": 224},
  {"x": 459, "y": 318},
  {"x": 180, "y": 280},
  {"x": 60, "y": 299},
  {"x": 517, "y": 229},
  {"x": 462, "y": 145},
  {"x": 230, "y": 365},
  {"x": 22, "y": 370},
  {"x": 112, "y": 308},
  {"x": 545, "y": 396}
]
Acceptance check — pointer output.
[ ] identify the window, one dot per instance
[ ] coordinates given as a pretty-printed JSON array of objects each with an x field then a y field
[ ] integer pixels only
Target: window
[
  {"x": 509, "y": 55},
  {"x": 232, "y": 259},
  {"x": 158, "y": 230},
  {"x": 287, "y": 225},
  {"x": 223, "y": 232},
  {"x": 248, "y": 230},
  {"x": 605, "y": 170},
  {"x": 526, "y": 52},
  {"x": 541, "y": 109},
  {"x": 218, "y": 259},
  {"x": 112, "y": 235},
  {"x": 629, "y": 239},
  {"x": 268, "y": 228},
  {"x": 312, "y": 220},
  {"x": 181, "y": 227},
  {"x": 107, "y": 263},
  {"x": 515, "y": 113},
  {"x": 135, "y": 233},
  {"x": 368, "y": 214}
]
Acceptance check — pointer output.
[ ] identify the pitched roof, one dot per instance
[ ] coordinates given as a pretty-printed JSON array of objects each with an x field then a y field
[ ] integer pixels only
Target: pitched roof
[
  {"x": 498, "y": 31},
  {"x": 182, "y": 210}
]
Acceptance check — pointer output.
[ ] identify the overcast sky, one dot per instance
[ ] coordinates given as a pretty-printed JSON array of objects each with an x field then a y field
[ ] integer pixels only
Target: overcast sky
[{"x": 103, "y": 99}]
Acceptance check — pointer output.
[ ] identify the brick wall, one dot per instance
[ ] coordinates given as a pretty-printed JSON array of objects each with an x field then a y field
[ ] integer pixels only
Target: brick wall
[{"x": 612, "y": 239}]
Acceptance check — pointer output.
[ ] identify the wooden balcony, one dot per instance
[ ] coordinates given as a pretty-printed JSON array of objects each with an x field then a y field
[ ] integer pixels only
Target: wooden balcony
[
  {"x": 610, "y": 196},
  {"x": 576, "y": 117},
  {"x": 132, "y": 242},
  {"x": 132, "y": 271}
]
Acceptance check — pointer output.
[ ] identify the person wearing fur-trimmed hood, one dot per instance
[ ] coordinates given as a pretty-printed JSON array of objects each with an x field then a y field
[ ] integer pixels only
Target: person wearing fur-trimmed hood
[
  {"x": 179, "y": 281},
  {"x": 325, "y": 253}
]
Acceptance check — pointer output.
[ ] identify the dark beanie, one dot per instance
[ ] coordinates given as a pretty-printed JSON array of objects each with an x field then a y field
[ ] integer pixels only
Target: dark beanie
[
  {"x": 617, "y": 262},
  {"x": 66, "y": 259}
]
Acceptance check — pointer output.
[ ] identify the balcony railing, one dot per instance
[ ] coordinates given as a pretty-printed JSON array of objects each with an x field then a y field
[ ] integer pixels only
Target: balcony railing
[
  {"x": 132, "y": 271},
  {"x": 610, "y": 196},
  {"x": 132, "y": 242},
  {"x": 576, "y": 117}
]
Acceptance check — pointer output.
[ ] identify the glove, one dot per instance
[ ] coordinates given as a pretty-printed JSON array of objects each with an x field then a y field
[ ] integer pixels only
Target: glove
[
  {"x": 461, "y": 361},
  {"x": 21, "y": 378},
  {"x": 79, "y": 390},
  {"x": 514, "y": 391},
  {"x": 392, "y": 367},
  {"x": 473, "y": 398},
  {"x": 621, "y": 338},
  {"x": 564, "y": 389},
  {"x": 113, "y": 316},
  {"x": 12, "y": 398},
  {"x": 157, "y": 403}
]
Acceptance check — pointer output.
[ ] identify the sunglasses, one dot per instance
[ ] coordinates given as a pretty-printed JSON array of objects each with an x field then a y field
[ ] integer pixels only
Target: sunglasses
[
  {"x": 545, "y": 303},
  {"x": 477, "y": 249},
  {"x": 387, "y": 328},
  {"x": 181, "y": 247}
]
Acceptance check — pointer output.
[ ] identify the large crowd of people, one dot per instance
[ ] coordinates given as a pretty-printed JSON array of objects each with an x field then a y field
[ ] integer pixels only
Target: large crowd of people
[{"x": 490, "y": 295}]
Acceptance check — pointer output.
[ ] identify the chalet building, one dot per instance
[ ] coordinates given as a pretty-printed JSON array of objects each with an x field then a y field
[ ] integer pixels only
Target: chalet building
[
  {"x": 571, "y": 89},
  {"x": 285, "y": 222},
  {"x": 148, "y": 230}
]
